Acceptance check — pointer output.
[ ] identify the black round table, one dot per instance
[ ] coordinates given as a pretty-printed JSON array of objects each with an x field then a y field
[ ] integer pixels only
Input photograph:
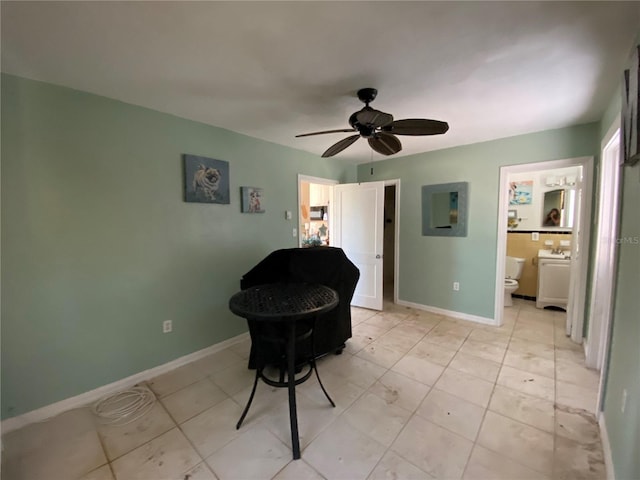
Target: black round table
[{"x": 289, "y": 310}]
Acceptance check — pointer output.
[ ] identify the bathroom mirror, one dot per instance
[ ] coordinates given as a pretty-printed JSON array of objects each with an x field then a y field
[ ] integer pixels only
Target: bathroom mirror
[
  {"x": 444, "y": 209},
  {"x": 557, "y": 210}
]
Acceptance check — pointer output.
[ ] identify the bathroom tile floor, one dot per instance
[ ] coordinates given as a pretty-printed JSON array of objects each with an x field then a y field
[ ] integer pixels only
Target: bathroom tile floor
[{"x": 417, "y": 395}]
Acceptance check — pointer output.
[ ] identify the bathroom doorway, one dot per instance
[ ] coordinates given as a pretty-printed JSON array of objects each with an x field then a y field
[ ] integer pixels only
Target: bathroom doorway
[{"x": 579, "y": 231}]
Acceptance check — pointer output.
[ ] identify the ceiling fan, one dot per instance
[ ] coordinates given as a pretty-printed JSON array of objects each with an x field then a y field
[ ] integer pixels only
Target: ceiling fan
[{"x": 379, "y": 128}]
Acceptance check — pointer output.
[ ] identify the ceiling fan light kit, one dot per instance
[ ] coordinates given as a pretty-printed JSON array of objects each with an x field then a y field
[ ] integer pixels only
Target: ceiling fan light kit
[{"x": 379, "y": 128}]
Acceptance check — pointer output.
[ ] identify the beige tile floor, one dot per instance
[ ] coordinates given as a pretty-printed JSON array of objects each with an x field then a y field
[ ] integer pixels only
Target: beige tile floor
[{"x": 418, "y": 396}]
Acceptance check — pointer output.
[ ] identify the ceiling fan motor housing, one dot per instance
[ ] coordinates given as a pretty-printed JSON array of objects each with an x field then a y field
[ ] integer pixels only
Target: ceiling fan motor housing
[
  {"x": 367, "y": 95},
  {"x": 365, "y": 131}
]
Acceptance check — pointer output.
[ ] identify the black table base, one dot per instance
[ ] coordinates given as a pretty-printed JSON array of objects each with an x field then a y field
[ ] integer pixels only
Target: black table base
[
  {"x": 290, "y": 384},
  {"x": 284, "y": 316}
]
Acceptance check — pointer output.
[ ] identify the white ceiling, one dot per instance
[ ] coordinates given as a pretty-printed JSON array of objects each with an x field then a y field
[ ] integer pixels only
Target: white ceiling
[{"x": 272, "y": 70}]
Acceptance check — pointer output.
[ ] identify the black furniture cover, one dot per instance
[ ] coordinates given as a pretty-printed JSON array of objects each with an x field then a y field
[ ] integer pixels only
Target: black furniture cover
[{"x": 325, "y": 265}]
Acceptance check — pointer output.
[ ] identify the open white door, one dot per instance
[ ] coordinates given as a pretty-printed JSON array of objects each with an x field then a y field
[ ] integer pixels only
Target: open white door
[
  {"x": 604, "y": 271},
  {"x": 358, "y": 230},
  {"x": 579, "y": 253}
]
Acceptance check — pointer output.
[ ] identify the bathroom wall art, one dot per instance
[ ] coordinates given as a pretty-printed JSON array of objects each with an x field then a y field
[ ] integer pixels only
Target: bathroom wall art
[
  {"x": 206, "y": 180},
  {"x": 520, "y": 193}
]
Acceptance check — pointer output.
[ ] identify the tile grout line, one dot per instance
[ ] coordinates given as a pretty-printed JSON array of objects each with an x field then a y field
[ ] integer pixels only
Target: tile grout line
[
  {"x": 414, "y": 413},
  {"x": 486, "y": 409},
  {"x": 179, "y": 427},
  {"x": 388, "y": 448}
]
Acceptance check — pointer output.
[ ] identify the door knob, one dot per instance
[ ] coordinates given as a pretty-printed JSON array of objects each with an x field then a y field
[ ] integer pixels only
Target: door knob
[{"x": 378, "y": 256}]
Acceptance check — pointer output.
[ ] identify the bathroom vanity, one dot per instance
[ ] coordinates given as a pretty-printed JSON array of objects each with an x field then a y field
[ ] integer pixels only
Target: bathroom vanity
[{"x": 553, "y": 279}]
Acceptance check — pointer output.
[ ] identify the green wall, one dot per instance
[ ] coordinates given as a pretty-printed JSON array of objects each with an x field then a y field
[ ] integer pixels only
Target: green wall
[
  {"x": 98, "y": 246},
  {"x": 623, "y": 429},
  {"x": 430, "y": 265}
]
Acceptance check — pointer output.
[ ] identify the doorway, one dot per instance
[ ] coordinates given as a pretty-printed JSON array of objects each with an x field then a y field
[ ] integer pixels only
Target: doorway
[
  {"x": 579, "y": 243},
  {"x": 315, "y": 210},
  {"x": 389, "y": 245},
  {"x": 389, "y": 221}
]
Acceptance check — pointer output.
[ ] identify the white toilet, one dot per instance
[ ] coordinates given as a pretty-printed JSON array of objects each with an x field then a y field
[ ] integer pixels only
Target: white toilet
[{"x": 512, "y": 271}]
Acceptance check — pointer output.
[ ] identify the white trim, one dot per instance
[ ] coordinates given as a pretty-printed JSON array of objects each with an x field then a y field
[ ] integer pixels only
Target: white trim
[
  {"x": 319, "y": 180},
  {"x": 604, "y": 271},
  {"x": 575, "y": 311},
  {"x": 86, "y": 398},
  {"x": 605, "y": 342},
  {"x": 606, "y": 449},
  {"x": 450, "y": 313},
  {"x": 581, "y": 229},
  {"x": 503, "y": 206},
  {"x": 605, "y": 249}
]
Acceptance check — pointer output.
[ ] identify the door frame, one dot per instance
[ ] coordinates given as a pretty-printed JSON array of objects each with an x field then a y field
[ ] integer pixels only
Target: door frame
[
  {"x": 603, "y": 282},
  {"x": 328, "y": 181},
  {"x": 598, "y": 339},
  {"x": 318, "y": 181},
  {"x": 578, "y": 287}
]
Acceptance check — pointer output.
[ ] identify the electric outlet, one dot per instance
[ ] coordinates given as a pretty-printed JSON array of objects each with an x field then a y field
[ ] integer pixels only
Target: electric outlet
[
  {"x": 167, "y": 326},
  {"x": 535, "y": 236},
  {"x": 456, "y": 286},
  {"x": 287, "y": 215},
  {"x": 295, "y": 232},
  {"x": 624, "y": 400}
]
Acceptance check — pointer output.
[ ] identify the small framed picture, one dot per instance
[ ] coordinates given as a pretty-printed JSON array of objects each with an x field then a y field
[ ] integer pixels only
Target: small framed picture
[
  {"x": 520, "y": 193},
  {"x": 252, "y": 200}
]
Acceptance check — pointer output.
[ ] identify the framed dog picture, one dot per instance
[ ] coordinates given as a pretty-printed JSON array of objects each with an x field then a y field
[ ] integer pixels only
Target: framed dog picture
[
  {"x": 206, "y": 180},
  {"x": 252, "y": 200}
]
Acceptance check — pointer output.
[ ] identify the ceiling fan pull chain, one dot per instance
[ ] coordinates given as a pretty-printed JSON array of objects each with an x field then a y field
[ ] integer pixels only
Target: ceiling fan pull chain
[{"x": 371, "y": 161}]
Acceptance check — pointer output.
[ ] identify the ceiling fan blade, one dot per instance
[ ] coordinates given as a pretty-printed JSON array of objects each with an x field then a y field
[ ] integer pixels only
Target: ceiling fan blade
[
  {"x": 341, "y": 145},
  {"x": 385, "y": 143},
  {"x": 374, "y": 118},
  {"x": 417, "y": 126},
  {"x": 339, "y": 130}
]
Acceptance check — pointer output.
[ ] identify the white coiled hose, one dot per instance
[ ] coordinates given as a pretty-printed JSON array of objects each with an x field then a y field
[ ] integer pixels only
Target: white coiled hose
[{"x": 124, "y": 407}]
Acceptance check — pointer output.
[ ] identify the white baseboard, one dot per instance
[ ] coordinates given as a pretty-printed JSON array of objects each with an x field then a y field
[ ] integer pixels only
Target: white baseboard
[
  {"x": 449, "y": 313},
  {"x": 91, "y": 396},
  {"x": 606, "y": 448}
]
